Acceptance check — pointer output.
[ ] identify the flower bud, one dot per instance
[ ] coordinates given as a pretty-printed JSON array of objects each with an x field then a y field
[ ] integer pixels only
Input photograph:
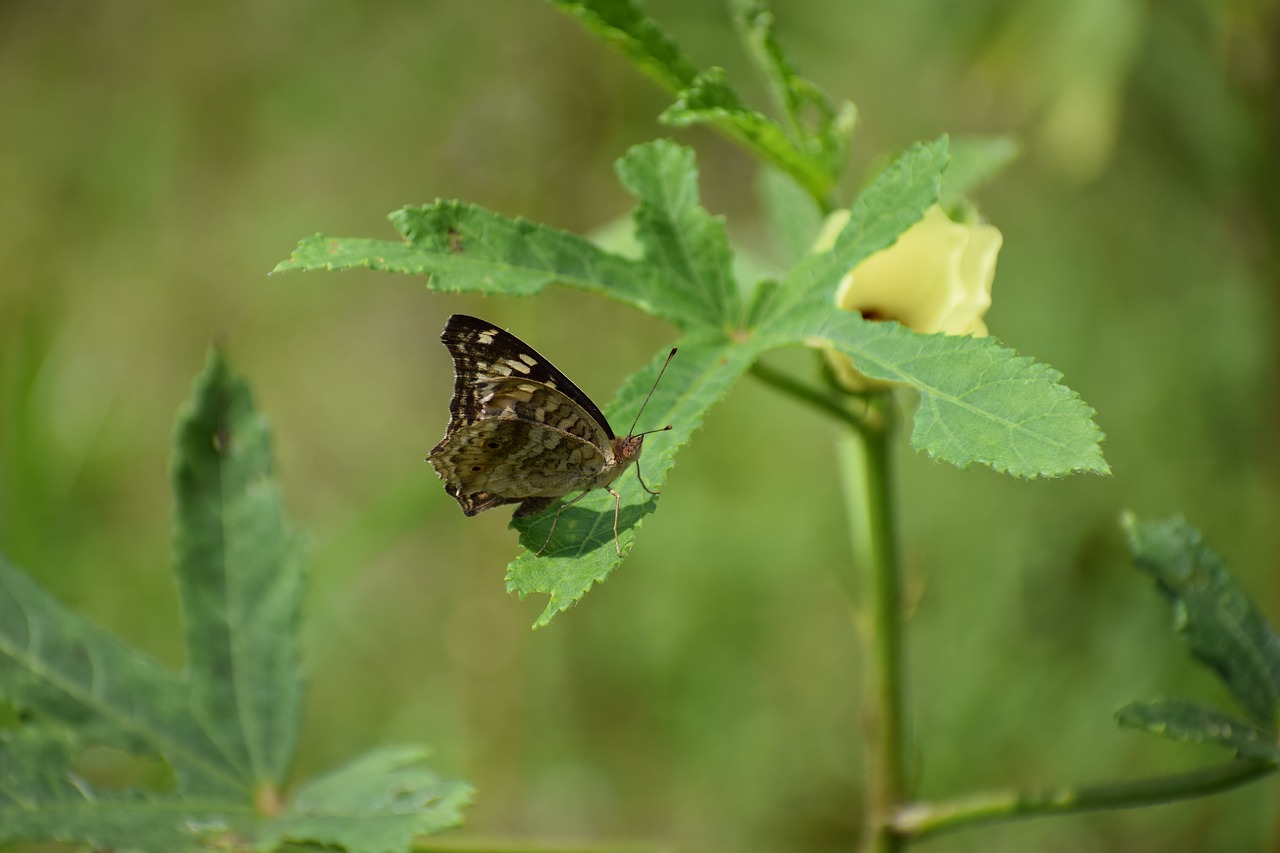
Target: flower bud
[{"x": 935, "y": 278}]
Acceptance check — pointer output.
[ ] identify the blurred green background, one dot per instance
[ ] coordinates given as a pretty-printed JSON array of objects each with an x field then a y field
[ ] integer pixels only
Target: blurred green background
[{"x": 156, "y": 160}]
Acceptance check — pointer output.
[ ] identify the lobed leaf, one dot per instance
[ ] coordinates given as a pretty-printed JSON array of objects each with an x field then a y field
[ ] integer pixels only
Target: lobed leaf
[
  {"x": 239, "y": 569},
  {"x": 42, "y": 797},
  {"x": 61, "y": 667},
  {"x": 1186, "y": 721},
  {"x": 686, "y": 248},
  {"x": 1219, "y": 622},
  {"x": 375, "y": 804},
  {"x": 582, "y": 552},
  {"x": 228, "y": 726}
]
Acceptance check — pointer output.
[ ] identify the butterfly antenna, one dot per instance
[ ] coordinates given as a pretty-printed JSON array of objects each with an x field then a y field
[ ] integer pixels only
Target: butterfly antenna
[{"x": 632, "y": 432}]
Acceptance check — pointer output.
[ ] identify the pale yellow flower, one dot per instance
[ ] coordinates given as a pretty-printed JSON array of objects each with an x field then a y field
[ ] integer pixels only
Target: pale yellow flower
[{"x": 935, "y": 278}]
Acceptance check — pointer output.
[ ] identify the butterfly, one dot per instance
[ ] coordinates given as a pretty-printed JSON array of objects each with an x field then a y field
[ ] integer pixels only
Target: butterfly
[{"x": 521, "y": 433}]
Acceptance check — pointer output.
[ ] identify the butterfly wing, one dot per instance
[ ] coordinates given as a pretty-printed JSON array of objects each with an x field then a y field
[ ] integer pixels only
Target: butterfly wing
[
  {"x": 509, "y": 460},
  {"x": 513, "y": 438},
  {"x": 483, "y": 353}
]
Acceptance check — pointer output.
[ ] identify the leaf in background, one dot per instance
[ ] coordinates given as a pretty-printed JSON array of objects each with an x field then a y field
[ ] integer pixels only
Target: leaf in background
[
  {"x": 1186, "y": 721},
  {"x": 975, "y": 161},
  {"x": 60, "y": 666},
  {"x": 375, "y": 804},
  {"x": 823, "y": 128},
  {"x": 582, "y": 552},
  {"x": 711, "y": 100},
  {"x": 1221, "y": 625},
  {"x": 625, "y": 25},
  {"x": 705, "y": 96},
  {"x": 42, "y": 797},
  {"x": 793, "y": 217},
  {"x": 239, "y": 569},
  {"x": 228, "y": 726},
  {"x": 687, "y": 248}
]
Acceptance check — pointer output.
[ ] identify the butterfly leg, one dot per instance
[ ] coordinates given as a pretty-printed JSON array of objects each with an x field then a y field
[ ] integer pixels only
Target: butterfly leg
[
  {"x": 617, "y": 507},
  {"x": 556, "y": 518},
  {"x": 641, "y": 479}
]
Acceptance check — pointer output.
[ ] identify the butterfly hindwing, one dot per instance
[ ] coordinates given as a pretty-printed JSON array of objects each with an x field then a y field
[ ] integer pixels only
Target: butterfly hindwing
[{"x": 516, "y": 459}]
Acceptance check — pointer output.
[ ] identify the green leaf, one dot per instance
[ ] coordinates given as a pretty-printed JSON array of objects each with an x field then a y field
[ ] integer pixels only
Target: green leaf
[
  {"x": 894, "y": 201},
  {"x": 375, "y": 804},
  {"x": 705, "y": 96},
  {"x": 59, "y": 666},
  {"x": 467, "y": 248},
  {"x": 1221, "y": 625},
  {"x": 239, "y": 569},
  {"x": 711, "y": 100},
  {"x": 975, "y": 161},
  {"x": 793, "y": 217},
  {"x": 823, "y": 127},
  {"x": 686, "y": 248},
  {"x": 979, "y": 402},
  {"x": 1186, "y": 721},
  {"x": 625, "y": 25},
  {"x": 42, "y": 797},
  {"x": 685, "y": 276},
  {"x": 228, "y": 726},
  {"x": 322, "y": 252},
  {"x": 583, "y": 552}
]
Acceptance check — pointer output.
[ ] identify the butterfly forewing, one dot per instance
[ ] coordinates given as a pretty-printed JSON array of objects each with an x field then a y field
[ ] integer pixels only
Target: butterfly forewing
[{"x": 481, "y": 351}]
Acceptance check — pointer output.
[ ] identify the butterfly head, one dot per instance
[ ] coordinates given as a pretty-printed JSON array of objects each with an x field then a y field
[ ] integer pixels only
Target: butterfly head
[{"x": 627, "y": 448}]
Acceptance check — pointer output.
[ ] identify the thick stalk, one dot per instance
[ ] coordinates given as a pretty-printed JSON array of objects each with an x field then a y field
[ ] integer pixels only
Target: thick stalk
[{"x": 869, "y": 490}]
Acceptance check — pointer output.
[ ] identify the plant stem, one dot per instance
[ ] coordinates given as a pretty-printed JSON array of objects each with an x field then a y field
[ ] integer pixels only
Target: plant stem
[
  {"x": 869, "y": 490},
  {"x": 923, "y": 819},
  {"x": 819, "y": 398}
]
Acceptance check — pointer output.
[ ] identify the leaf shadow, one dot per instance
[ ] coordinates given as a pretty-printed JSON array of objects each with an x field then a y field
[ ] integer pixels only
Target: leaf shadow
[{"x": 581, "y": 530}]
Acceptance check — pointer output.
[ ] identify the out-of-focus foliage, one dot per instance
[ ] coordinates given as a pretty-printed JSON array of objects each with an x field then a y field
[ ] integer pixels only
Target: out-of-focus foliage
[{"x": 156, "y": 161}]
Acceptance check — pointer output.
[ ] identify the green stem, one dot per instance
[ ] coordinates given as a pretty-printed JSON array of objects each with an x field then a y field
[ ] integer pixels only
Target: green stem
[
  {"x": 819, "y": 398},
  {"x": 923, "y": 819},
  {"x": 869, "y": 488}
]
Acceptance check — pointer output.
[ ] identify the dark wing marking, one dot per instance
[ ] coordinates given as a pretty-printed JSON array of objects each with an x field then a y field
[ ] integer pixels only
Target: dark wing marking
[{"x": 482, "y": 351}]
